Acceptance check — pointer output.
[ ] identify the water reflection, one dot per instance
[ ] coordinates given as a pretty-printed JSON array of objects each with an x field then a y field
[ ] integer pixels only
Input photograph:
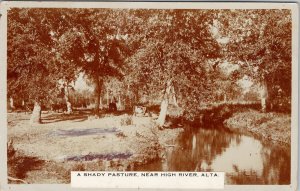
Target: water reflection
[{"x": 246, "y": 160}]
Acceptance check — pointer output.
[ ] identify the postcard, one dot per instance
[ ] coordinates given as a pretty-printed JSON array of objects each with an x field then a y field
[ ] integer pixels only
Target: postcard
[{"x": 149, "y": 95}]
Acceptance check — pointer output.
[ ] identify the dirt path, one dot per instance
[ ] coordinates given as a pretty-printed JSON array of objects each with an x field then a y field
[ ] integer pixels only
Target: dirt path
[{"x": 74, "y": 142}]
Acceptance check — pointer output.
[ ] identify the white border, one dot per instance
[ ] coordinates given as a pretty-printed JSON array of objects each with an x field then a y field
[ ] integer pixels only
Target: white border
[{"x": 4, "y": 6}]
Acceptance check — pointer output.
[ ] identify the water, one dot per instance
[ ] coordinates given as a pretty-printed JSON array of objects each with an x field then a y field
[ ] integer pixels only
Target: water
[{"x": 244, "y": 159}]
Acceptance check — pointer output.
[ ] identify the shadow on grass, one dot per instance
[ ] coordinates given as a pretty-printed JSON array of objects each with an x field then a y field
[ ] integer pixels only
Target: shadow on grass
[
  {"x": 105, "y": 113},
  {"x": 25, "y": 164},
  {"x": 80, "y": 116},
  {"x": 82, "y": 132},
  {"x": 19, "y": 165},
  {"x": 59, "y": 117}
]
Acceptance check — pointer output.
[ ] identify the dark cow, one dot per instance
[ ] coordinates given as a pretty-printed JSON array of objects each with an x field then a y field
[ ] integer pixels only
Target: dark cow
[
  {"x": 58, "y": 107},
  {"x": 112, "y": 107}
]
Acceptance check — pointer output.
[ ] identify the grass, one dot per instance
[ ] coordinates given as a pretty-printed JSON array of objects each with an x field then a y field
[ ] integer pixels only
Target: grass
[
  {"x": 39, "y": 153},
  {"x": 271, "y": 126}
]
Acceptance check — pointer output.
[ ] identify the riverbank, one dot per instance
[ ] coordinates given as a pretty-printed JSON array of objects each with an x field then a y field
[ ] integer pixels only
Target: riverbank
[
  {"x": 46, "y": 153},
  {"x": 270, "y": 126}
]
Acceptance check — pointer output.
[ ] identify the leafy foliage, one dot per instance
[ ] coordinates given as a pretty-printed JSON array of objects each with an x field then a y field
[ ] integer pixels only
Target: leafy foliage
[
  {"x": 174, "y": 47},
  {"x": 260, "y": 42},
  {"x": 31, "y": 71},
  {"x": 138, "y": 51}
]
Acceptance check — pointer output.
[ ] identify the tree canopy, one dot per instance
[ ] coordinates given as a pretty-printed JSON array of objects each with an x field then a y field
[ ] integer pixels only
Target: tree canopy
[
  {"x": 173, "y": 48},
  {"x": 260, "y": 42},
  {"x": 161, "y": 54}
]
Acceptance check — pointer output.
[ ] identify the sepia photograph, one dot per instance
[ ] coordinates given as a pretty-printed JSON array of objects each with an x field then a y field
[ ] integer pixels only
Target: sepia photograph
[{"x": 145, "y": 89}]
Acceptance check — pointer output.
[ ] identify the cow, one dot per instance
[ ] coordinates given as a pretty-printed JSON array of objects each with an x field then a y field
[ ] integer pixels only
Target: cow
[
  {"x": 139, "y": 110},
  {"x": 58, "y": 107},
  {"x": 112, "y": 107}
]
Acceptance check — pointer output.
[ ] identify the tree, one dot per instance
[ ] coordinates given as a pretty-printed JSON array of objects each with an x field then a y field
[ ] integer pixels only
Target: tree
[
  {"x": 174, "y": 54},
  {"x": 260, "y": 42},
  {"x": 30, "y": 59},
  {"x": 95, "y": 44},
  {"x": 37, "y": 68},
  {"x": 225, "y": 86}
]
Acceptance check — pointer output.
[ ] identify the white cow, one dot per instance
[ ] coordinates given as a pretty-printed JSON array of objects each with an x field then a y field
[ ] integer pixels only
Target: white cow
[{"x": 139, "y": 110}]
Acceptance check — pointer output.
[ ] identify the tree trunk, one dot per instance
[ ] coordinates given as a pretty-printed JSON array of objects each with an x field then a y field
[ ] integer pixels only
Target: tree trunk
[
  {"x": 36, "y": 113},
  {"x": 225, "y": 98},
  {"x": 97, "y": 105},
  {"x": 68, "y": 103},
  {"x": 107, "y": 98},
  {"x": 11, "y": 103},
  {"x": 164, "y": 105},
  {"x": 194, "y": 145},
  {"x": 174, "y": 97},
  {"x": 128, "y": 98},
  {"x": 136, "y": 97},
  {"x": 263, "y": 96},
  {"x": 163, "y": 112},
  {"x": 119, "y": 104},
  {"x": 98, "y": 89},
  {"x": 101, "y": 104},
  {"x": 175, "y": 101}
]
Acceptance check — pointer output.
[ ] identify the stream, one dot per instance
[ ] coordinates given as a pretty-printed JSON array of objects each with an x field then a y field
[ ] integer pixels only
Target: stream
[{"x": 244, "y": 159}]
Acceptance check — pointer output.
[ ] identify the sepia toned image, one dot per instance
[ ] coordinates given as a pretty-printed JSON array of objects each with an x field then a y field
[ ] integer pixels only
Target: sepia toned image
[{"x": 144, "y": 89}]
